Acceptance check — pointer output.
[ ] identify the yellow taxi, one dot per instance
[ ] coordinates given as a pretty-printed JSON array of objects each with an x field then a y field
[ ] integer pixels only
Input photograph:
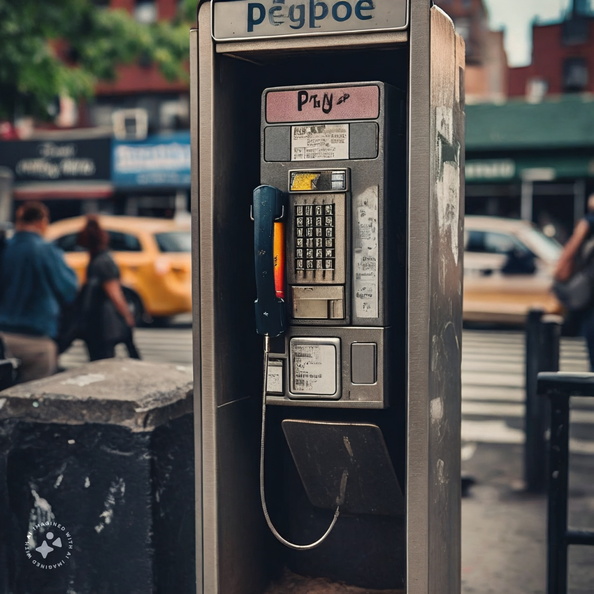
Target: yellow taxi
[
  {"x": 153, "y": 255},
  {"x": 508, "y": 270}
]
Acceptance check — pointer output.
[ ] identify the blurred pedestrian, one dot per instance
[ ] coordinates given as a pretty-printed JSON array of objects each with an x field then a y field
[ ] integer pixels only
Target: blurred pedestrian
[
  {"x": 578, "y": 257},
  {"x": 108, "y": 319},
  {"x": 35, "y": 282}
]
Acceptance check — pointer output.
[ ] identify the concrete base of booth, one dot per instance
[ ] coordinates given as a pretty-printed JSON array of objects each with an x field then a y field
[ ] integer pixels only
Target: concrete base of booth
[{"x": 97, "y": 481}]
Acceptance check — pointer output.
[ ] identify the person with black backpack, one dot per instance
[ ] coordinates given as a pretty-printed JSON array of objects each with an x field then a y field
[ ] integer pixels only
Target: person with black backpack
[
  {"x": 107, "y": 318},
  {"x": 574, "y": 278}
]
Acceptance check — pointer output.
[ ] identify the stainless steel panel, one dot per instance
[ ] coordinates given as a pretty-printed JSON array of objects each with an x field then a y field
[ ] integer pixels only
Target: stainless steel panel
[
  {"x": 435, "y": 294},
  {"x": 197, "y": 359}
]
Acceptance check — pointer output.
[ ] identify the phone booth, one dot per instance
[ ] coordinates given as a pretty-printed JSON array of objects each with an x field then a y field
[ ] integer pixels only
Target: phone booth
[{"x": 327, "y": 163}]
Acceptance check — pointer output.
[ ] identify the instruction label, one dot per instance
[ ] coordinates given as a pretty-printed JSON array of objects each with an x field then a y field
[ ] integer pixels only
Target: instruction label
[
  {"x": 320, "y": 143},
  {"x": 366, "y": 254},
  {"x": 313, "y": 368},
  {"x": 274, "y": 381}
]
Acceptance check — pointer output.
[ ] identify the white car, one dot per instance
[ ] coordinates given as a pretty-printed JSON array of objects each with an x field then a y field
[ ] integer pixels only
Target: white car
[{"x": 508, "y": 267}]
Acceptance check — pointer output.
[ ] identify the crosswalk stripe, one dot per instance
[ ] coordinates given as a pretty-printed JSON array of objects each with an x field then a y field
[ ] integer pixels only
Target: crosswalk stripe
[{"x": 493, "y": 387}]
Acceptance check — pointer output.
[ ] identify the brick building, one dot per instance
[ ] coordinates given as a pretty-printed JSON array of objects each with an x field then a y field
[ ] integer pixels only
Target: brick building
[
  {"x": 486, "y": 60},
  {"x": 141, "y": 86},
  {"x": 562, "y": 57}
]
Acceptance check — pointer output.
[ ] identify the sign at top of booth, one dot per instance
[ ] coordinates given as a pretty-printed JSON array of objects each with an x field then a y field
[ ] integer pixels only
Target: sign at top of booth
[{"x": 249, "y": 19}]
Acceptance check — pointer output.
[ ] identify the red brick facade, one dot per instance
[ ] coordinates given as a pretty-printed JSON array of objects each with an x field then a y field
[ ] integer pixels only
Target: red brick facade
[{"x": 562, "y": 60}]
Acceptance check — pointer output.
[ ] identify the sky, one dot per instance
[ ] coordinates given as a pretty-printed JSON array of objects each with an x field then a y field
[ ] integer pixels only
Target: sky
[{"x": 516, "y": 16}]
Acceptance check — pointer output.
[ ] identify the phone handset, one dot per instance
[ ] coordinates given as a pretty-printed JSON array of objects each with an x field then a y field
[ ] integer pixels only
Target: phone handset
[{"x": 268, "y": 212}]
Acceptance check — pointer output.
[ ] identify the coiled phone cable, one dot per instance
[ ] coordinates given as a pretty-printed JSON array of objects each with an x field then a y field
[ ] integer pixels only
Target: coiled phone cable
[{"x": 343, "y": 481}]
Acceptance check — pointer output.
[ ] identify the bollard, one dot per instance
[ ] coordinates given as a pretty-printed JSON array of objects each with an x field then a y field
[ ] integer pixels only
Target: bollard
[
  {"x": 96, "y": 481},
  {"x": 543, "y": 333}
]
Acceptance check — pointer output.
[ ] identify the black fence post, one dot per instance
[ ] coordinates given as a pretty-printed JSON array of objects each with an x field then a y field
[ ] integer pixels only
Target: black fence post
[
  {"x": 558, "y": 493},
  {"x": 543, "y": 335}
]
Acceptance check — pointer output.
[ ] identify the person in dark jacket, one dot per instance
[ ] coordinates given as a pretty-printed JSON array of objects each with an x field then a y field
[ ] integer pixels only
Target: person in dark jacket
[
  {"x": 577, "y": 253},
  {"x": 35, "y": 282},
  {"x": 103, "y": 280}
]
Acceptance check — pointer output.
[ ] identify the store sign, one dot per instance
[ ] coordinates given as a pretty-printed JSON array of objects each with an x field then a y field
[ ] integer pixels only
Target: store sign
[
  {"x": 243, "y": 19},
  {"x": 52, "y": 160},
  {"x": 155, "y": 161},
  {"x": 490, "y": 169}
]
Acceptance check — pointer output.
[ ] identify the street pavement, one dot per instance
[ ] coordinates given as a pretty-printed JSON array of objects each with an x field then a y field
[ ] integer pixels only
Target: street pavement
[{"x": 503, "y": 526}]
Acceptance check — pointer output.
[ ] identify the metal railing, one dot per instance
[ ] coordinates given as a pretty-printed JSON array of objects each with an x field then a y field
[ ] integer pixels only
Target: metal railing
[{"x": 559, "y": 388}]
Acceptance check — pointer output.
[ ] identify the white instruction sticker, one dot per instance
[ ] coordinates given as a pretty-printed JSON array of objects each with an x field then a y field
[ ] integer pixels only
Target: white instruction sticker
[
  {"x": 313, "y": 368},
  {"x": 366, "y": 254},
  {"x": 320, "y": 142},
  {"x": 274, "y": 380}
]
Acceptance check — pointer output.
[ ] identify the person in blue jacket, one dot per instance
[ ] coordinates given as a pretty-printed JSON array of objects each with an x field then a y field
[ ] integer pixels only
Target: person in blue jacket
[{"x": 35, "y": 282}]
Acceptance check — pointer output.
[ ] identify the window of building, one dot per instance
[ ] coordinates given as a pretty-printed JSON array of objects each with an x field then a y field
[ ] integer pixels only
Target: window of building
[
  {"x": 145, "y": 11},
  {"x": 575, "y": 30},
  {"x": 575, "y": 75}
]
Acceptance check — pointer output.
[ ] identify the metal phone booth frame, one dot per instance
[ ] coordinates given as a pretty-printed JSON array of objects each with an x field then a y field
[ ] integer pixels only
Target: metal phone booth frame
[{"x": 236, "y": 553}]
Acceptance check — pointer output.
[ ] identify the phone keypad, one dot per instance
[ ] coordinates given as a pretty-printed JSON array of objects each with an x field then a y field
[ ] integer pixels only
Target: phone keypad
[{"x": 315, "y": 237}]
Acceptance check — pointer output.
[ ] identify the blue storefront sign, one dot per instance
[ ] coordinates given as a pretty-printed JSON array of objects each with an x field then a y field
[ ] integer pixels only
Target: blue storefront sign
[{"x": 157, "y": 161}]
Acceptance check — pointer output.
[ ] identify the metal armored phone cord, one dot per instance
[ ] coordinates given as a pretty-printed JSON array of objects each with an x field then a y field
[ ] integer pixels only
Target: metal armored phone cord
[{"x": 343, "y": 480}]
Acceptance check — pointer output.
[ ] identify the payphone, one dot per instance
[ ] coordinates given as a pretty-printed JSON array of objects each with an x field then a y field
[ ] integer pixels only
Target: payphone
[
  {"x": 323, "y": 218},
  {"x": 354, "y": 174},
  {"x": 326, "y": 265}
]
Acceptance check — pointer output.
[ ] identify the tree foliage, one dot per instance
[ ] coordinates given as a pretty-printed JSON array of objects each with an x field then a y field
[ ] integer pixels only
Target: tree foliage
[{"x": 37, "y": 36}]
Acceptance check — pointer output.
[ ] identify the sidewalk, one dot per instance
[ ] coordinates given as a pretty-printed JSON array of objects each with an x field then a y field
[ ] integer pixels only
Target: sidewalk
[{"x": 504, "y": 529}]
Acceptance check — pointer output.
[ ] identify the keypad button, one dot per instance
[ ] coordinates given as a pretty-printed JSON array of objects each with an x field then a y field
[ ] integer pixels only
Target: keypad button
[
  {"x": 299, "y": 221},
  {"x": 299, "y": 264}
]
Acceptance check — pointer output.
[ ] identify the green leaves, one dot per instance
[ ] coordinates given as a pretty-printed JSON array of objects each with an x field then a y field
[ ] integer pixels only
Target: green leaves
[{"x": 64, "y": 47}]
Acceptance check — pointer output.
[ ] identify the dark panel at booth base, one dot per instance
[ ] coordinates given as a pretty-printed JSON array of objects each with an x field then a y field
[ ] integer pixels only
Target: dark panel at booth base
[{"x": 96, "y": 509}]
